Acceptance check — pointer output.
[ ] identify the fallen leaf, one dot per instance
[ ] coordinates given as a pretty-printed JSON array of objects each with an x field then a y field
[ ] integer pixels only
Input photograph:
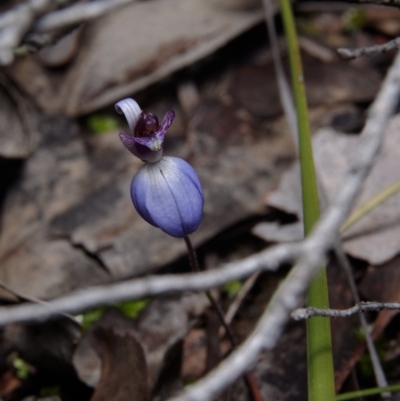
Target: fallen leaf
[
  {"x": 18, "y": 131},
  {"x": 160, "y": 329},
  {"x": 87, "y": 361},
  {"x": 375, "y": 237},
  {"x": 110, "y": 65},
  {"x": 63, "y": 51},
  {"x": 124, "y": 372},
  {"x": 194, "y": 355},
  {"x": 56, "y": 177},
  {"x": 255, "y": 87},
  {"x": 163, "y": 325}
]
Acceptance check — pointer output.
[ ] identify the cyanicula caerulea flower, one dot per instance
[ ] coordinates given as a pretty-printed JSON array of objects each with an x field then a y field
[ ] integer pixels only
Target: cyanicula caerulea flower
[{"x": 166, "y": 191}]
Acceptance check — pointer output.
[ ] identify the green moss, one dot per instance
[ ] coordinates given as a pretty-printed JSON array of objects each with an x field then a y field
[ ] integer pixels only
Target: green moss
[
  {"x": 232, "y": 288},
  {"x": 22, "y": 368},
  {"x": 354, "y": 19},
  {"x": 49, "y": 392},
  {"x": 132, "y": 309},
  {"x": 88, "y": 318},
  {"x": 101, "y": 123}
]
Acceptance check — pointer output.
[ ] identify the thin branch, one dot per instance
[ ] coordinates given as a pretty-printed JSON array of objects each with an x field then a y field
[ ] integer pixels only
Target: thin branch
[
  {"x": 81, "y": 300},
  {"x": 376, "y": 363},
  {"x": 349, "y": 54},
  {"x": 285, "y": 93},
  {"x": 26, "y": 298},
  {"x": 234, "y": 307},
  {"x": 344, "y": 263},
  {"x": 291, "y": 291},
  {"x": 305, "y": 313},
  {"x": 389, "y": 3}
]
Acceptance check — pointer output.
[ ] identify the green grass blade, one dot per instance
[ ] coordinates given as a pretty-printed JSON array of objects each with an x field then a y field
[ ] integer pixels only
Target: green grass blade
[
  {"x": 367, "y": 392},
  {"x": 370, "y": 205},
  {"x": 319, "y": 344}
]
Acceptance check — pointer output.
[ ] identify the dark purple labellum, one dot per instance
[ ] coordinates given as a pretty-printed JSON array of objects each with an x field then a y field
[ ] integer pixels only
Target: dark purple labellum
[{"x": 147, "y": 124}]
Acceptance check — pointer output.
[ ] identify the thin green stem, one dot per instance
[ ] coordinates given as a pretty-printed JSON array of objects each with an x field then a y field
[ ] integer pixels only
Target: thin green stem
[
  {"x": 319, "y": 344},
  {"x": 370, "y": 205},
  {"x": 368, "y": 392}
]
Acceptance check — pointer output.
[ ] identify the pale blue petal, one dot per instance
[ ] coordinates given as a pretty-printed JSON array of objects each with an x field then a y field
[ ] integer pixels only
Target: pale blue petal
[
  {"x": 168, "y": 195},
  {"x": 131, "y": 110}
]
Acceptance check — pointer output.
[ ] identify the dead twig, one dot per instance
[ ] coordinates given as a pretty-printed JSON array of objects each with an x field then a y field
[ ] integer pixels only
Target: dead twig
[
  {"x": 389, "y": 3},
  {"x": 285, "y": 92},
  {"x": 25, "y": 298},
  {"x": 81, "y": 300},
  {"x": 376, "y": 363},
  {"x": 305, "y": 313},
  {"x": 349, "y": 54},
  {"x": 234, "y": 307}
]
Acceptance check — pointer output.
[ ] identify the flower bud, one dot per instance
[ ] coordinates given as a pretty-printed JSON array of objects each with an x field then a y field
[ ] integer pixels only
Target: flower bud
[{"x": 169, "y": 196}]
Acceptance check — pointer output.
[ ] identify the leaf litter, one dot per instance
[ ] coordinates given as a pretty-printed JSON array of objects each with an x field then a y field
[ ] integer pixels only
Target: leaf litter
[
  {"x": 78, "y": 239},
  {"x": 375, "y": 237}
]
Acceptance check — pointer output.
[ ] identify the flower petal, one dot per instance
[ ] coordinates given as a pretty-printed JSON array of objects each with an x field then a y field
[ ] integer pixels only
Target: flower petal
[
  {"x": 139, "y": 189},
  {"x": 129, "y": 142},
  {"x": 131, "y": 110},
  {"x": 168, "y": 195},
  {"x": 165, "y": 124},
  {"x": 146, "y": 149}
]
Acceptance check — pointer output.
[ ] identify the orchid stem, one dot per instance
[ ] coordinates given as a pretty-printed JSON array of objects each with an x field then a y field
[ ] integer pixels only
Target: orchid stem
[
  {"x": 249, "y": 377},
  {"x": 194, "y": 264}
]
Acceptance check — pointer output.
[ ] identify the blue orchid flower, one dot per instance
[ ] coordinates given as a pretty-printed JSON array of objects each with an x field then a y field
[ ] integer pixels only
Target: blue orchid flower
[{"x": 166, "y": 191}]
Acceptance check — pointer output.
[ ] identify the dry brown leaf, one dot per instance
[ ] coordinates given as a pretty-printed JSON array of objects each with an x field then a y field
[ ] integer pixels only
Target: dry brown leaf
[
  {"x": 160, "y": 329},
  {"x": 124, "y": 372},
  {"x": 63, "y": 51},
  {"x": 18, "y": 131},
  {"x": 130, "y": 49},
  {"x": 255, "y": 87},
  {"x": 375, "y": 237}
]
